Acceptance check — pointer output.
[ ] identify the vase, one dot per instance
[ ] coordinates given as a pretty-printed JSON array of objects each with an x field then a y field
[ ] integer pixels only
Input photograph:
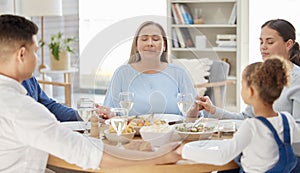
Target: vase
[{"x": 64, "y": 62}]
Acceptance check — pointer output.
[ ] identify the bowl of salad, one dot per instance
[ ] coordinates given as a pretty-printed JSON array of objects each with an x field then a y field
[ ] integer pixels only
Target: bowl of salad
[{"x": 202, "y": 130}]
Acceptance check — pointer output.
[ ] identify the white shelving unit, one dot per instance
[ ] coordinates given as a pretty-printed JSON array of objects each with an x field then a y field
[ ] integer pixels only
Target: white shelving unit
[{"x": 216, "y": 14}]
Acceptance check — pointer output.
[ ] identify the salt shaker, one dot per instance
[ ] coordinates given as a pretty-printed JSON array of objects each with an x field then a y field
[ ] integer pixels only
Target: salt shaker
[{"x": 94, "y": 126}]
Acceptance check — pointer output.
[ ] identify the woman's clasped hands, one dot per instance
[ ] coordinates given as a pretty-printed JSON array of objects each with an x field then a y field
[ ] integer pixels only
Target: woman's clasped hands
[{"x": 103, "y": 111}]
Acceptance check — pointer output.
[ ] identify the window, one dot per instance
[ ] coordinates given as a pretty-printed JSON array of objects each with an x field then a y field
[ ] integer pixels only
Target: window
[{"x": 106, "y": 29}]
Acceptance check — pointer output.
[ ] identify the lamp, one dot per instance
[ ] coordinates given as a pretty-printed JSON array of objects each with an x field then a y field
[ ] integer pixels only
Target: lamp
[{"x": 40, "y": 8}]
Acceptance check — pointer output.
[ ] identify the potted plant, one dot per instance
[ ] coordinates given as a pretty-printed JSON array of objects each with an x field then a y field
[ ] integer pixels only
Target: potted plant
[{"x": 60, "y": 50}]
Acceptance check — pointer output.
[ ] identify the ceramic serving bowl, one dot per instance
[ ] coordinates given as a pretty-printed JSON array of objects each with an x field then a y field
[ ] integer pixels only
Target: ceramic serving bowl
[
  {"x": 157, "y": 135},
  {"x": 113, "y": 137}
]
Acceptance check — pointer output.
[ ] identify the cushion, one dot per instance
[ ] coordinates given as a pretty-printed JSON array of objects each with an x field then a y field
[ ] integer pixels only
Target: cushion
[{"x": 198, "y": 69}]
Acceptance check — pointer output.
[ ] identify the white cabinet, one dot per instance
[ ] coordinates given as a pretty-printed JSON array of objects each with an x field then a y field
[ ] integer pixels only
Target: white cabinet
[{"x": 217, "y": 20}]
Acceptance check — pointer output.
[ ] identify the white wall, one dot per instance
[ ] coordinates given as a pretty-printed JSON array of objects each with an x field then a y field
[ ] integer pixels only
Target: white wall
[
  {"x": 261, "y": 11},
  {"x": 98, "y": 16}
]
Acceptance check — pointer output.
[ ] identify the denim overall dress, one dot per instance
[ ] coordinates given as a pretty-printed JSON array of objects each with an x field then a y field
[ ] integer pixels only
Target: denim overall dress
[{"x": 287, "y": 159}]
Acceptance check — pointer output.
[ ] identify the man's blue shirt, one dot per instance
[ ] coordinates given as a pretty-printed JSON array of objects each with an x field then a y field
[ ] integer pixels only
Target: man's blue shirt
[{"x": 61, "y": 112}]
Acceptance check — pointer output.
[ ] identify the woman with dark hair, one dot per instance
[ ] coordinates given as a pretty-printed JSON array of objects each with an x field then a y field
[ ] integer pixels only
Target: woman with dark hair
[
  {"x": 287, "y": 33},
  {"x": 154, "y": 82},
  {"x": 277, "y": 38}
]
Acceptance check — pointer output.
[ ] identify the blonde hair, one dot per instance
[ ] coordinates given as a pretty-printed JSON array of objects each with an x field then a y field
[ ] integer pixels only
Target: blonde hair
[{"x": 134, "y": 54}]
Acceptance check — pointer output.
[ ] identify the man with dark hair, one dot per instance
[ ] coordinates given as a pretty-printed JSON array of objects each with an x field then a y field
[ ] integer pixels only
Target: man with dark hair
[{"x": 28, "y": 130}]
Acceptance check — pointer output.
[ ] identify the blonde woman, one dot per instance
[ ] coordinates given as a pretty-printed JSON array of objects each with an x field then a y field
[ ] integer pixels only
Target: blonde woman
[{"x": 154, "y": 82}]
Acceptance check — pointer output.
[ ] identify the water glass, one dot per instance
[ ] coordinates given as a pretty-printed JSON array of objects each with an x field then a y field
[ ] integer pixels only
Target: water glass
[
  {"x": 126, "y": 100},
  {"x": 85, "y": 108},
  {"x": 184, "y": 103},
  {"x": 118, "y": 121}
]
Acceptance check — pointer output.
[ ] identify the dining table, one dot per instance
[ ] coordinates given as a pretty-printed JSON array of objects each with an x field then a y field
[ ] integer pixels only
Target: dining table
[{"x": 179, "y": 167}]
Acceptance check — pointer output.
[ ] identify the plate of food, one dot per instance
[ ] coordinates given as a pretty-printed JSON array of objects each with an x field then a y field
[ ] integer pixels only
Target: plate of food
[
  {"x": 144, "y": 120},
  {"x": 169, "y": 118},
  {"x": 126, "y": 136},
  {"x": 203, "y": 130},
  {"x": 76, "y": 125},
  {"x": 139, "y": 121}
]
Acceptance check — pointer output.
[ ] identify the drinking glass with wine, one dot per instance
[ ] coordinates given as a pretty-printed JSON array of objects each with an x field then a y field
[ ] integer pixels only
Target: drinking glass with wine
[
  {"x": 118, "y": 121},
  {"x": 184, "y": 103},
  {"x": 126, "y": 100},
  {"x": 85, "y": 108}
]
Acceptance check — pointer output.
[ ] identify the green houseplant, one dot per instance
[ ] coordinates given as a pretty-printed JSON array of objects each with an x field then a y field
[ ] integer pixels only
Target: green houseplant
[
  {"x": 60, "y": 49},
  {"x": 59, "y": 44}
]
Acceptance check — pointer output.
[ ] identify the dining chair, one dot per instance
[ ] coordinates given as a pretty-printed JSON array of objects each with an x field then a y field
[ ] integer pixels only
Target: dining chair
[
  {"x": 67, "y": 88},
  {"x": 209, "y": 77}
]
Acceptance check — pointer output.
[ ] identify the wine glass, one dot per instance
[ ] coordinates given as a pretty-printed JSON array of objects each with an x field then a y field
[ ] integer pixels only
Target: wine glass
[
  {"x": 184, "y": 103},
  {"x": 126, "y": 100},
  {"x": 118, "y": 121},
  {"x": 85, "y": 108}
]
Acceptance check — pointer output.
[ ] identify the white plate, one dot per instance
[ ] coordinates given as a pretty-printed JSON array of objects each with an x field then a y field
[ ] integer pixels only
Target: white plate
[
  {"x": 170, "y": 118},
  {"x": 140, "y": 155},
  {"x": 76, "y": 125}
]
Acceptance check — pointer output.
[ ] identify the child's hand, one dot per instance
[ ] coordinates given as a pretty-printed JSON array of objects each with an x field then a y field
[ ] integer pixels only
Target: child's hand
[{"x": 205, "y": 102}]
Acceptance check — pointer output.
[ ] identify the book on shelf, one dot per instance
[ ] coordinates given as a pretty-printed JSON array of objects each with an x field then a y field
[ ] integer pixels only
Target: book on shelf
[
  {"x": 232, "y": 18},
  {"x": 180, "y": 38},
  {"x": 178, "y": 11},
  {"x": 186, "y": 14},
  {"x": 174, "y": 14},
  {"x": 226, "y": 40},
  {"x": 175, "y": 41},
  {"x": 187, "y": 37}
]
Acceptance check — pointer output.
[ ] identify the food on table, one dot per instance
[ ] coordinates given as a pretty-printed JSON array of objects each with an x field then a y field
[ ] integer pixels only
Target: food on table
[
  {"x": 128, "y": 129},
  {"x": 144, "y": 121},
  {"x": 198, "y": 128}
]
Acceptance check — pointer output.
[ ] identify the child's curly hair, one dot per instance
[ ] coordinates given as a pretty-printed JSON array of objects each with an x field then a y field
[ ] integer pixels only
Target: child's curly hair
[{"x": 268, "y": 77}]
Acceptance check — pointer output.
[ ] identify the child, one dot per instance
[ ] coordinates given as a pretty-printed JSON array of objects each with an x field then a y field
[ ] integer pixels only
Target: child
[{"x": 262, "y": 83}]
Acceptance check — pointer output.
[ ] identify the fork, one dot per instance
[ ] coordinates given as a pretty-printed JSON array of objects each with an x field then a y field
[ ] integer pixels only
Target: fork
[
  {"x": 197, "y": 121},
  {"x": 152, "y": 118}
]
